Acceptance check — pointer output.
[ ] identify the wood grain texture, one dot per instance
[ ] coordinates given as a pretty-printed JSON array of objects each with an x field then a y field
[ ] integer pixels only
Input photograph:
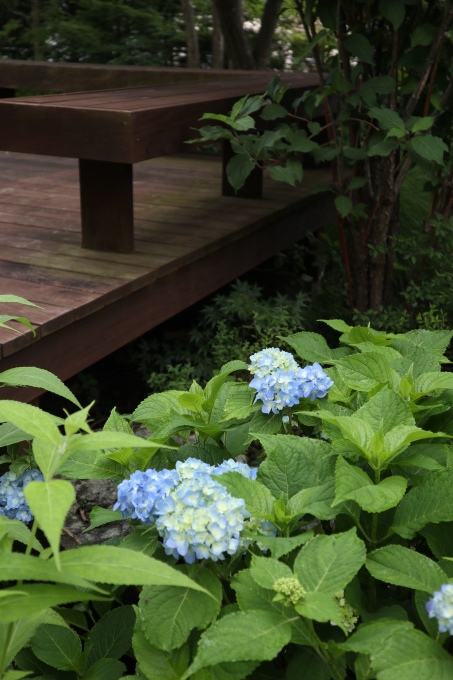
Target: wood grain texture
[{"x": 190, "y": 240}]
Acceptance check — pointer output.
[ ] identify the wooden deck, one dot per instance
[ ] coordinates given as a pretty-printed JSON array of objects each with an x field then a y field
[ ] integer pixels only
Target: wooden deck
[{"x": 190, "y": 241}]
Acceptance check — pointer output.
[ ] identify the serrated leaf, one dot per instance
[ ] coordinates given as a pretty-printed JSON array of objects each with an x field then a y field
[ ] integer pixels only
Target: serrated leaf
[
  {"x": 359, "y": 46},
  {"x": 344, "y": 205},
  {"x": 242, "y": 636},
  {"x": 110, "y": 564},
  {"x": 429, "y": 147},
  {"x": 106, "y": 669},
  {"x": 156, "y": 664},
  {"x": 32, "y": 376},
  {"x": 290, "y": 173},
  {"x": 394, "y": 11},
  {"x": 101, "y": 516},
  {"x": 327, "y": 564},
  {"x": 402, "y": 566},
  {"x": 429, "y": 502},
  {"x": 15, "y": 636},
  {"x": 26, "y": 600},
  {"x": 294, "y": 463},
  {"x": 169, "y": 614},
  {"x": 352, "y": 483},
  {"x": 273, "y": 111},
  {"x": 259, "y": 501},
  {"x": 238, "y": 169},
  {"x": 111, "y": 636},
  {"x": 387, "y": 118},
  {"x": 30, "y": 419},
  {"x": 265, "y": 571},
  {"x": 313, "y": 347},
  {"x": 50, "y": 503},
  {"x": 90, "y": 465},
  {"x": 16, "y": 566},
  {"x": 58, "y": 647}
]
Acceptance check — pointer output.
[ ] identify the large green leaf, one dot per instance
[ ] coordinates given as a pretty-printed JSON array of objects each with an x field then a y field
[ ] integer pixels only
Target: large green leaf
[
  {"x": 14, "y": 636},
  {"x": 313, "y": 347},
  {"x": 32, "y": 376},
  {"x": 25, "y": 600},
  {"x": 50, "y": 503},
  {"x": 168, "y": 614},
  {"x": 17, "y": 566},
  {"x": 316, "y": 501},
  {"x": 242, "y": 636},
  {"x": 294, "y": 463},
  {"x": 110, "y": 564},
  {"x": 58, "y": 646},
  {"x": 111, "y": 636},
  {"x": 155, "y": 664},
  {"x": 90, "y": 465},
  {"x": 259, "y": 501},
  {"x": 429, "y": 502},
  {"x": 266, "y": 571},
  {"x": 30, "y": 419},
  {"x": 327, "y": 564},
  {"x": 363, "y": 372},
  {"x": 429, "y": 147},
  {"x": 405, "y": 567},
  {"x": 106, "y": 669},
  {"x": 398, "y": 652},
  {"x": 352, "y": 483}
]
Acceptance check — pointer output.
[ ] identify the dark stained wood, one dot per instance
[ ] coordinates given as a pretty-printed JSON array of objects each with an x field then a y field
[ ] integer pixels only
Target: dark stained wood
[
  {"x": 144, "y": 122},
  {"x": 106, "y": 205},
  {"x": 74, "y": 77},
  {"x": 190, "y": 240}
]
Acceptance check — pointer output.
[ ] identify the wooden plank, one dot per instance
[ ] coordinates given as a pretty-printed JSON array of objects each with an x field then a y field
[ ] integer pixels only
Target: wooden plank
[
  {"x": 74, "y": 77},
  {"x": 145, "y": 123}
]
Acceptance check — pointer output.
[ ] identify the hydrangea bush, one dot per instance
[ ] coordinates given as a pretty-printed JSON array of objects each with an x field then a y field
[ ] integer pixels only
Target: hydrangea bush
[{"x": 295, "y": 524}]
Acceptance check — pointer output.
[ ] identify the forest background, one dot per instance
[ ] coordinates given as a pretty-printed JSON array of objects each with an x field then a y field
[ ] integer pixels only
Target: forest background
[{"x": 393, "y": 55}]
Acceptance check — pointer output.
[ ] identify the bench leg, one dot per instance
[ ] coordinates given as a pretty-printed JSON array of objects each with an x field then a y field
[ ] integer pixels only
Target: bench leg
[{"x": 106, "y": 201}]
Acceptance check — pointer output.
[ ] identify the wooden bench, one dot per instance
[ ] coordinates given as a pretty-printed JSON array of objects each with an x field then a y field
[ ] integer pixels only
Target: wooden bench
[{"x": 110, "y": 130}]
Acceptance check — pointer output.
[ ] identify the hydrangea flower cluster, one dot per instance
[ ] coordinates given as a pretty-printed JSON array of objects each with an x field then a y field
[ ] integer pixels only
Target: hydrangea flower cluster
[
  {"x": 194, "y": 514},
  {"x": 12, "y": 498},
  {"x": 440, "y": 606},
  {"x": 279, "y": 381}
]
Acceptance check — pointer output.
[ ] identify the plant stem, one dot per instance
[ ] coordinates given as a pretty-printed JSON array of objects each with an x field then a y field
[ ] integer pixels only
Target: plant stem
[
  {"x": 4, "y": 651},
  {"x": 31, "y": 540}
]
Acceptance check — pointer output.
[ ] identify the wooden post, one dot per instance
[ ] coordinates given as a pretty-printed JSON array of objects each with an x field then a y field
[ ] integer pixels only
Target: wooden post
[
  {"x": 106, "y": 202},
  {"x": 253, "y": 186}
]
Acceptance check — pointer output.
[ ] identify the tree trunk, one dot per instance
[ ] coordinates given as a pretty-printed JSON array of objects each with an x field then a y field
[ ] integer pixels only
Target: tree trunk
[
  {"x": 236, "y": 42},
  {"x": 193, "y": 52},
  {"x": 218, "y": 43},
  {"x": 269, "y": 22},
  {"x": 35, "y": 22}
]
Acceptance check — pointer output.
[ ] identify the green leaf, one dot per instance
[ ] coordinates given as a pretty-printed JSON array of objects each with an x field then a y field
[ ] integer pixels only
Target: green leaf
[
  {"x": 359, "y": 46},
  {"x": 265, "y": 571},
  {"x": 291, "y": 172},
  {"x": 168, "y": 614},
  {"x": 316, "y": 501},
  {"x": 37, "y": 377},
  {"x": 294, "y": 463},
  {"x": 101, "y": 516},
  {"x": 352, "y": 483},
  {"x": 280, "y": 545},
  {"x": 327, "y": 564},
  {"x": 422, "y": 124},
  {"x": 18, "y": 531},
  {"x": 16, "y": 566},
  {"x": 321, "y": 607},
  {"x": 30, "y": 419},
  {"x": 111, "y": 636},
  {"x": 344, "y": 205},
  {"x": 430, "y": 148},
  {"x": 14, "y": 636},
  {"x": 429, "y": 502},
  {"x": 273, "y": 111},
  {"x": 242, "y": 636},
  {"x": 10, "y": 434},
  {"x": 106, "y": 669},
  {"x": 405, "y": 567},
  {"x": 158, "y": 408},
  {"x": 90, "y": 465},
  {"x": 398, "y": 651},
  {"x": 238, "y": 169},
  {"x": 50, "y": 503},
  {"x": 313, "y": 347},
  {"x": 387, "y": 118},
  {"x": 394, "y": 11},
  {"x": 58, "y": 647},
  {"x": 24, "y": 600},
  {"x": 423, "y": 35},
  {"x": 259, "y": 501},
  {"x": 363, "y": 372},
  {"x": 109, "y": 564},
  {"x": 156, "y": 664}
]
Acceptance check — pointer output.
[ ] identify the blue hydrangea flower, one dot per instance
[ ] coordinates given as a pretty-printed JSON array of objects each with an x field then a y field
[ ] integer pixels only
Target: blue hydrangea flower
[
  {"x": 137, "y": 496},
  {"x": 280, "y": 382},
  {"x": 195, "y": 515},
  {"x": 13, "y": 503},
  {"x": 199, "y": 519},
  {"x": 440, "y": 606}
]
